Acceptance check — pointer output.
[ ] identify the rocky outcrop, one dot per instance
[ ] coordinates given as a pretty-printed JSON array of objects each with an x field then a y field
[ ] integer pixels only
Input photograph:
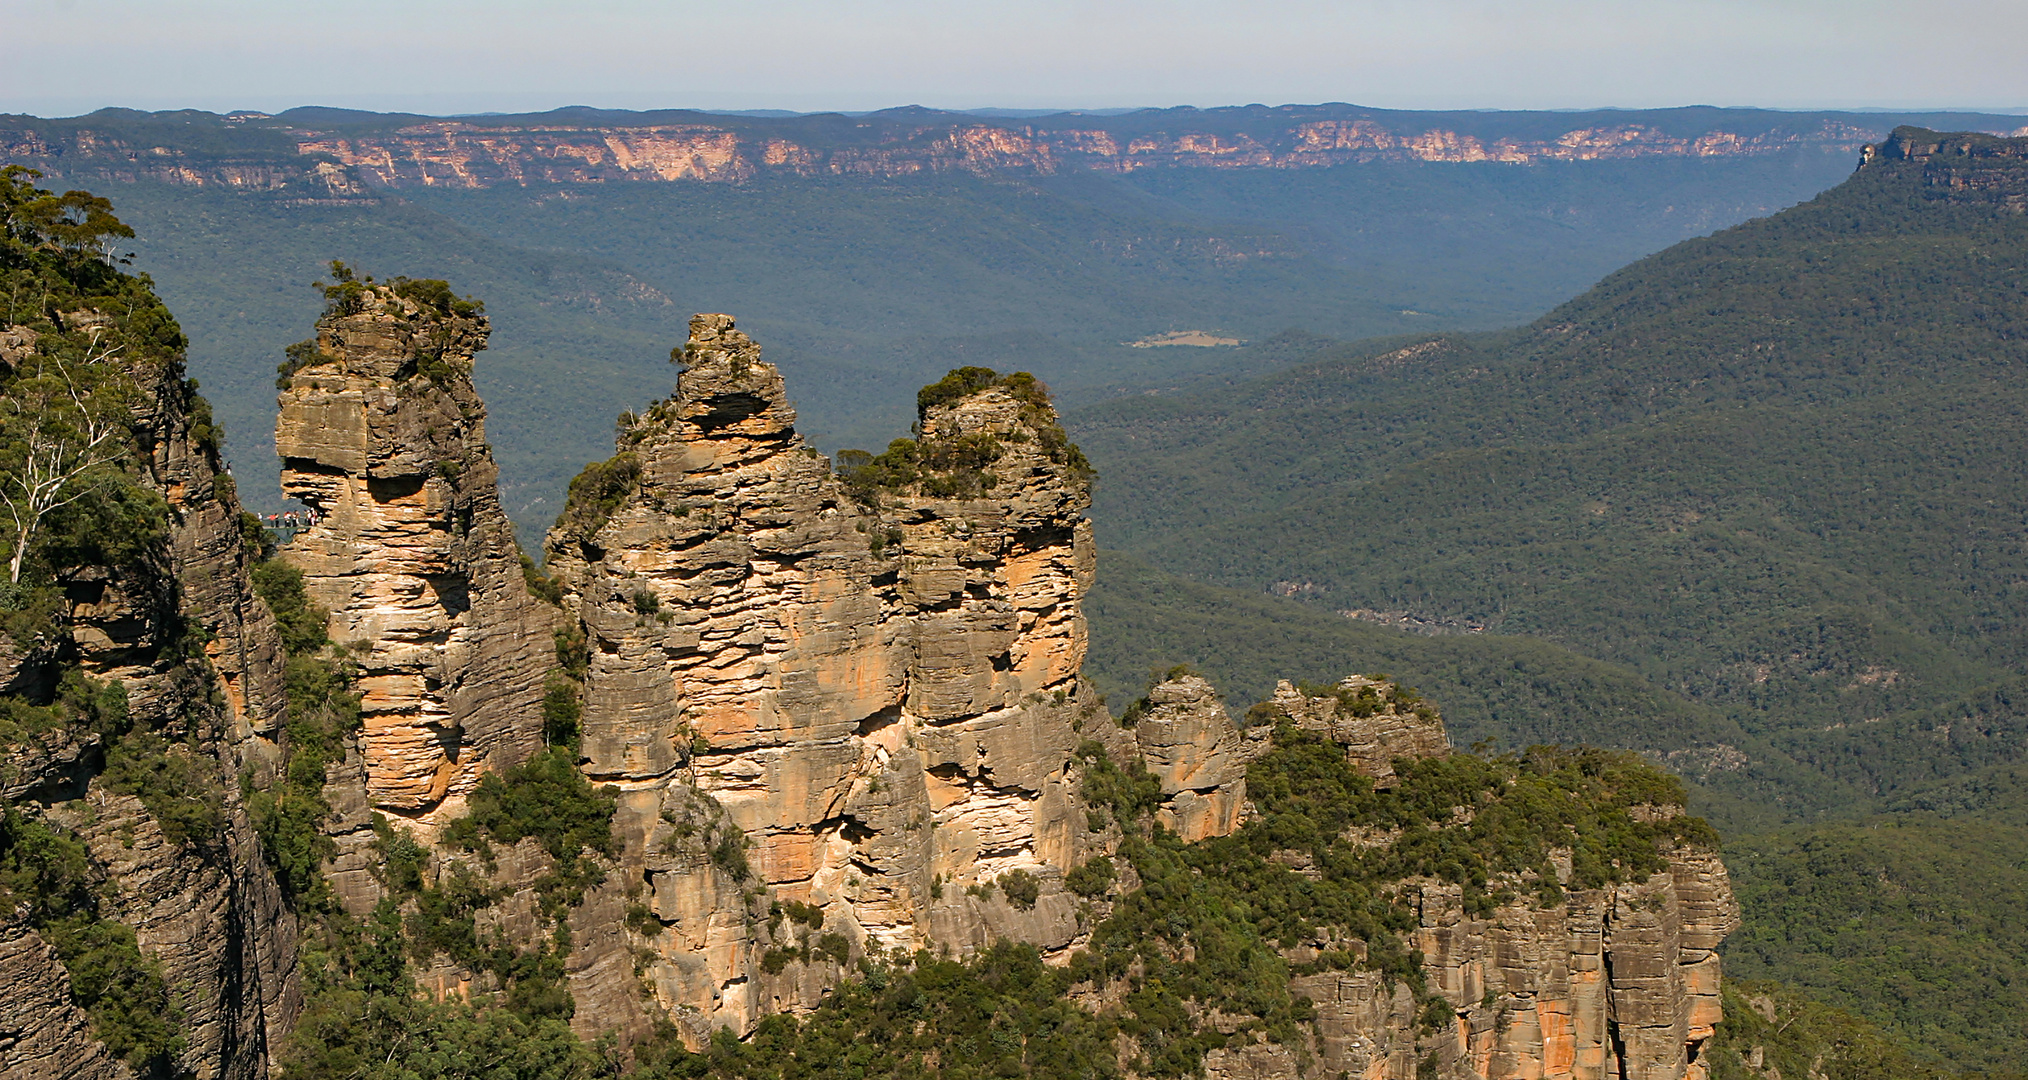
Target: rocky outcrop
[
  {"x": 1619, "y": 982},
  {"x": 1615, "y": 982},
  {"x": 840, "y": 709},
  {"x": 1184, "y": 736},
  {"x": 876, "y": 687},
  {"x": 1960, "y": 167},
  {"x": 1375, "y": 720},
  {"x": 381, "y": 433}
]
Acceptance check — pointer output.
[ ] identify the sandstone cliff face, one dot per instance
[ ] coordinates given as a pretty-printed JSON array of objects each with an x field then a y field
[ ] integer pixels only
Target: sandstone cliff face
[
  {"x": 1617, "y": 982},
  {"x": 1186, "y": 738},
  {"x": 46, "y": 1036},
  {"x": 878, "y": 694},
  {"x": 1961, "y": 168},
  {"x": 468, "y": 154},
  {"x": 272, "y": 154},
  {"x": 382, "y": 434},
  {"x": 842, "y": 713},
  {"x": 208, "y": 910}
]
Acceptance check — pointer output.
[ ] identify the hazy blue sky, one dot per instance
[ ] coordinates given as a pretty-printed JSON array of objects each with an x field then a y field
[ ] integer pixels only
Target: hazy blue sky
[{"x": 69, "y": 56}]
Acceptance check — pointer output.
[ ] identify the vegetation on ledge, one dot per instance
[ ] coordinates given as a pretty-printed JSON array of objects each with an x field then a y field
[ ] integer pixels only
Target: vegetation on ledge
[
  {"x": 288, "y": 814},
  {"x": 1205, "y": 927},
  {"x": 953, "y": 466},
  {"x": 47, "y": 878},
  {"x": 596, "y": 493}
]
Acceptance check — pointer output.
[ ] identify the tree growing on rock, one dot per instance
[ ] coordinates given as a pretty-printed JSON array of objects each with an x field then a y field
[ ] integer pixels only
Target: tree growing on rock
[{"x": 64, "y": 429}]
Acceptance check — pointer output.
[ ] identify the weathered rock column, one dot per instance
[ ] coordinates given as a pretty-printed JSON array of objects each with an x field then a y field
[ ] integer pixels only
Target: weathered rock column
[
  {"x": 1188, "y": 740},
  {"x": 382, "y": 434},
  {"x": 874, "y": 688}
]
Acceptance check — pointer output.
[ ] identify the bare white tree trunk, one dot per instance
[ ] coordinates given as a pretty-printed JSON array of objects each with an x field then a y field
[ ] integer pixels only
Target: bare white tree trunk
[{"x": 66, "y": 434}]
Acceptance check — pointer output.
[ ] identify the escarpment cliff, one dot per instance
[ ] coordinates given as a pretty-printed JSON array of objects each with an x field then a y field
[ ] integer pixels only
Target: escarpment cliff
[
  {"x": 875, "y": 678},
  {"x": 311, "y": 153},
  {"x": 1959, "y": 167},
  {"x": 1559, "y": 974},
  {"x": 836, "y": 718},
  {"x": 141, "y": 931}
]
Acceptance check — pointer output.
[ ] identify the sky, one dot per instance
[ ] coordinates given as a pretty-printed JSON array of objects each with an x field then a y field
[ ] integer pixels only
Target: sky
[{"x": 65, "y": 57}]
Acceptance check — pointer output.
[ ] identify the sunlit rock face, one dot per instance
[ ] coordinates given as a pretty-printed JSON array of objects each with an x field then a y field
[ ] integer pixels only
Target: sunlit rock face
[
  {"x": 1613, "y": 983},
  {"x": 382, "y": 434},
  {"x": 876, "y": 687},
  {"x": 1187, "y": 739},
  {"x": 842, "y": 712}
]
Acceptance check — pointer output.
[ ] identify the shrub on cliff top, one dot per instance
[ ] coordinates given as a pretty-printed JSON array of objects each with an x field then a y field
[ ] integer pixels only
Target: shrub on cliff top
[
  {"x": 297, "y": 357},
  {"x": 434, "y": 294},
  {"x": 1022, "y": 888},
  {"x": 1368, "y": 700},
  {"x": 953, "y": 466},
  {"x": 960, "y": 383},
  {"x": 596, "y": 492},
  {"x": 346, "y": 293},
  {"x": 965, "y": 381}
]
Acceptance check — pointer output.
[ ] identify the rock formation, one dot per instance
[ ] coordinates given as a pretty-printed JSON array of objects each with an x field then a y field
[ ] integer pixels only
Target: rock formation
[
  {"x": 1617, "y": 982},
  {"x": 852, "y": 697},
  {"x": 1959, "y": 167},
  {"x": 382, "y": 435},
  {"x": 1375, "y": 721},
  {"x": 877, "y": 686},
  {"x": 1182, "y": 734},
  {"x": 273, "y": 153},
  {"x": 839, "y": 709},
  {"x": 205, "y": 908}
]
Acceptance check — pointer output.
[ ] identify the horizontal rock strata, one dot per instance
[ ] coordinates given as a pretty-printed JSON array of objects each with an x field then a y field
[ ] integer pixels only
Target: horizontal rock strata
[
  {"x": 876, "y": 688},
  {"x": 477, "y": 152},
  {"x": 1187, "y": 739},
  {"x": 1614, "y": 983},
  {"x": 383, "y": 436},
  {"x": 206, "y": 909}
]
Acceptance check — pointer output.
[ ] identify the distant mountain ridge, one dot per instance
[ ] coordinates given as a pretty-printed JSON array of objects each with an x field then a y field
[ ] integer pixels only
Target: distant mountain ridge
[{"x": 341, "y": 153}]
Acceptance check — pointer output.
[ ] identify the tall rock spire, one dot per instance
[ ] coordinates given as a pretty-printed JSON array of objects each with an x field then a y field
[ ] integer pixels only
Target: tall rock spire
[
  {"x": 382, "y": 434},
  {"x": 875, "y": 675}
]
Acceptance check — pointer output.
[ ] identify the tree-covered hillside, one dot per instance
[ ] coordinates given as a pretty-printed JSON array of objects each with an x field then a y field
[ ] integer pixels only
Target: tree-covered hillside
[
  {"x": 1766, "y": 482},
  {"x": 1771, "y": 471}
]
